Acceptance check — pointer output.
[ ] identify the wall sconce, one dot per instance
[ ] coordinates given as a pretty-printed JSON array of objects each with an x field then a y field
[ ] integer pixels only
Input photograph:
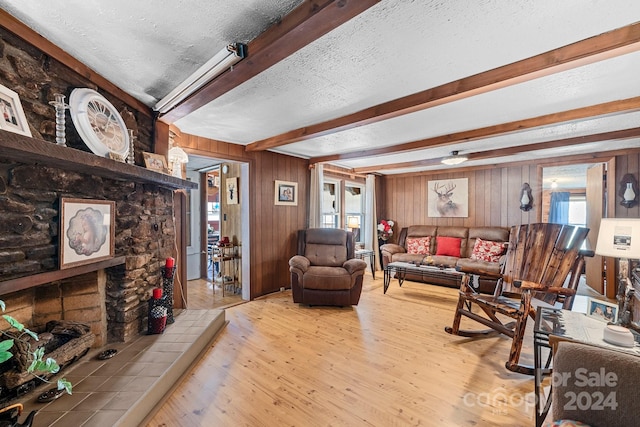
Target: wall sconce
[
  {"x": 526, "y": 197},
  {"x": 628, "y": 191}
]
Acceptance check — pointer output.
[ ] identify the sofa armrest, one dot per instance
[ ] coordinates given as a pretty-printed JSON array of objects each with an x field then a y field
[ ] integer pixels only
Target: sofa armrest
[
  {"x": 482, "y": 268},
  {"x": 392, "y": 248},
  {"x": 354, "y": 265},
  {"x": 300, "y": 263}
]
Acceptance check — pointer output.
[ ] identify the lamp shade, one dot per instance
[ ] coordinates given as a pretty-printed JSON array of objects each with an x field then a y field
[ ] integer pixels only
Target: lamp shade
[
  {"x": 619, "y": 238},
  {"x": 353, "y": 222},
  {"x": 178, "y": 155}
]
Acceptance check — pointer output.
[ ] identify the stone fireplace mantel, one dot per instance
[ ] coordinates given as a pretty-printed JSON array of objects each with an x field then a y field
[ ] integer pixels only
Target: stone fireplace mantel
[{"x": 28, "y": 150}]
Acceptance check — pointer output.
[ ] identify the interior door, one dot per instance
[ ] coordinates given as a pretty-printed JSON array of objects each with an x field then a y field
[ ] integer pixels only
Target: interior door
[
  {"x": 193, "y": 221},
  {"x": 595, "y": 210}
]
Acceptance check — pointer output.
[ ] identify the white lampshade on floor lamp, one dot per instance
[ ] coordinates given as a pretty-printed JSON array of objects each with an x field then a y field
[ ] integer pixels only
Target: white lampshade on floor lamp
[{"x": 620, "y": 238}]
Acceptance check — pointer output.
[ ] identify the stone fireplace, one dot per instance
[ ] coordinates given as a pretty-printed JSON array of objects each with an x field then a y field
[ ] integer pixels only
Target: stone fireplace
[
  {"x": 35, "y": 173},
  {"x": 112, "y": 297}
]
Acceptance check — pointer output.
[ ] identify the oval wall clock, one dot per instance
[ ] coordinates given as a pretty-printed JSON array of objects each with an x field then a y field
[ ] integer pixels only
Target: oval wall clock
[{"x": 98, "y": 122}]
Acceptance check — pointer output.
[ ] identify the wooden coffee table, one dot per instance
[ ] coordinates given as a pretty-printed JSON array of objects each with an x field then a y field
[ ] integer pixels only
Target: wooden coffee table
[{"x": 401, "y": 269}]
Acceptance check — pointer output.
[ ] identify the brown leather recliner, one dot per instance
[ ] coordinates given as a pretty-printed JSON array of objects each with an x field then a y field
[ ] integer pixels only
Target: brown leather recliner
[{"x": 324, "y": 272}]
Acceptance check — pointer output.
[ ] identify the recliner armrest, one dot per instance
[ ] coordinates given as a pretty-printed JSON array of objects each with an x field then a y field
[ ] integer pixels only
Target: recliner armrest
[
  {"x": 299, "y": 262},
  {"x": 354, "y": 265}
]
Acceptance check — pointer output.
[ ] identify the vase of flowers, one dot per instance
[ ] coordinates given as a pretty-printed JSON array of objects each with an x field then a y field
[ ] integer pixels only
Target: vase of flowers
[{"x": 385, "y": 230}]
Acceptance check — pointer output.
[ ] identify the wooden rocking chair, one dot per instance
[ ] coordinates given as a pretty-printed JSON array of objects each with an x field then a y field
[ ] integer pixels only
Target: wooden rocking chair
[{"x": 543, "y": 262}]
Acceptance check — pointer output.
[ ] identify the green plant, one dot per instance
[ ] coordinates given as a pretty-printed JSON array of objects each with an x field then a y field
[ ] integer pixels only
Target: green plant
[{"x": 39, "y": 366}]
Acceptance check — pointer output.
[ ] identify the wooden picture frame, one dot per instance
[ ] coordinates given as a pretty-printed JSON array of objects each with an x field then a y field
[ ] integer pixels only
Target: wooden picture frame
[
  {"x": 12, "y": 116},
  {"x": 155, "y": 162},
  {"x": 231, "y": 191},
  {"x": 87, "y": 231},
  {"x": 286, "y": 193},
  {"x": 448, "y": 198},
  {"x": 602, "y": 310}
]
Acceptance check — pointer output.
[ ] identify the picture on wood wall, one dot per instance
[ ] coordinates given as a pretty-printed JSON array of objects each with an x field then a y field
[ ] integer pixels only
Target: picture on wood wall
[
  {"x": 86, "y": 231},
  {"x": 232, "y": 191},
  {"x": 286, "y": 193},
  {"x": 448, "y": 198}
]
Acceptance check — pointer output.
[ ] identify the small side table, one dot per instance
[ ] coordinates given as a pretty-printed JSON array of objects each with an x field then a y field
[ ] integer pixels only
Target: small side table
[{"x": 362, "y": 253}]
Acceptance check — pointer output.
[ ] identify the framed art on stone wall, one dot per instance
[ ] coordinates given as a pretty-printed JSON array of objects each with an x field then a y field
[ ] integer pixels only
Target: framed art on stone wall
[
  {"x": 12, "y": 116},
  {"x": 86, "y": 231},
  {"x": 448, "y": 198}
]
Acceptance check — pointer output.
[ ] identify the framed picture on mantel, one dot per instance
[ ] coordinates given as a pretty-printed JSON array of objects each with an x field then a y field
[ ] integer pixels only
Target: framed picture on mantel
[
  {"x": 12, "y": 116},
  {"x": 86, "y": 231}
]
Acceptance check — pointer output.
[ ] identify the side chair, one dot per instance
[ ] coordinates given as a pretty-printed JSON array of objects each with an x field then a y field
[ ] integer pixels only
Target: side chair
[{"x": 542, "y": 265}]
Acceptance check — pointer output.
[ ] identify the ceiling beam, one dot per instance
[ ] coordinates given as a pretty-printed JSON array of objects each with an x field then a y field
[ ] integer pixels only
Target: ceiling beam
[
  {"x": 306, "y": 23},
  {"x": 593, "y": 49},
  {"x": 510, "y": 151},
  {"x": 599, "y": 110}
]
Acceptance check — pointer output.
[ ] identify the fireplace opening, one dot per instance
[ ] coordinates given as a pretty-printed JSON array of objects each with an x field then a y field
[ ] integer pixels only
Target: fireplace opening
[{"x": 66, "y": 341}]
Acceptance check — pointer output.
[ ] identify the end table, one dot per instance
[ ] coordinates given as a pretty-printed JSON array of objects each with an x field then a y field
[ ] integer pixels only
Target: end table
[{"x": 362, "y": 253}]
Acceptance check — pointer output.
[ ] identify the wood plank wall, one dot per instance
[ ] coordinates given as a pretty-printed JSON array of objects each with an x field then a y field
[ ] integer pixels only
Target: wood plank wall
[
  {"x": 273, "y": 228},
  {"x": 494, "y": 197}
]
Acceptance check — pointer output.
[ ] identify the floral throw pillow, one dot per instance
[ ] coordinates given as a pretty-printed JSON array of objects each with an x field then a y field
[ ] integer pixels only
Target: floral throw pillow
[
  {"x": 486, "y": 250},
  {"x": 418, "y": 245}
]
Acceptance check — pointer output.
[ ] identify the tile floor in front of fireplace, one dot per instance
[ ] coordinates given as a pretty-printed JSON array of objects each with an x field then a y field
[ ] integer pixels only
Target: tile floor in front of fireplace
[{"x": 124, "y": 389}]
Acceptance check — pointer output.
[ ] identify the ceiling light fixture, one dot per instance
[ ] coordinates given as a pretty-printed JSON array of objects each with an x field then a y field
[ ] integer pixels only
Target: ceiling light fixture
[
  {"x": 454, "y": 159},
  {"x": 554, "y": 184},
  {"x": 222, "y": 60}
]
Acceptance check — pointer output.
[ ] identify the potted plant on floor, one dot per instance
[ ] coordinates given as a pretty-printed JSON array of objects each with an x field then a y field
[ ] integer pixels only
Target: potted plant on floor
[{"x": 39, "y": 367}]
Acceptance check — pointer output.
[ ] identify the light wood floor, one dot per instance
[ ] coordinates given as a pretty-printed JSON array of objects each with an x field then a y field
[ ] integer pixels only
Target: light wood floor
[
  {"x": 385, "y": 362},
  {"x": 205, "y": 294}
]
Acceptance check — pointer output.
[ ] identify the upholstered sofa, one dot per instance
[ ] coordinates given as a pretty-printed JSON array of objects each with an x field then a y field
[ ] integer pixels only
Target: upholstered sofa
[
  {"x": 477, "y": 248},
  {"x": 325, "y": 272}
]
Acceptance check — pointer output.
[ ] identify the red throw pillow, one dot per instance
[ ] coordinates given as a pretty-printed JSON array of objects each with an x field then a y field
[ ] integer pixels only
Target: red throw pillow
[
  {"x": 486, "y": 250},
  {"x": 449, "y": 246},
  {"x": 418, "y": 245}
]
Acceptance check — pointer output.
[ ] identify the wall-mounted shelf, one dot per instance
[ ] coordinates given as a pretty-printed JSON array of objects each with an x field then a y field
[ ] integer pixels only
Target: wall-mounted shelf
[
  {"x": 24, "y": 149},
  {"x": 21, "y": 283}
]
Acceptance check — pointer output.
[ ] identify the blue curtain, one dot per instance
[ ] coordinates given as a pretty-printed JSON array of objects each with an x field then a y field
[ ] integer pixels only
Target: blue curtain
[{"x": 559, "y": 209}]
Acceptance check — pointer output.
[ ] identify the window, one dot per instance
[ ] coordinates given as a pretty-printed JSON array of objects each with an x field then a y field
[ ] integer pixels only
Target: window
[
  {"x": 330, "y": 204},
  {"x": 354, "y": 219},
  {"x": 578, "y": 210}
]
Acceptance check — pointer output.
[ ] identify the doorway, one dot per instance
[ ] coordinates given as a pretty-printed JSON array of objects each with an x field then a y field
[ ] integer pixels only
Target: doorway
[
  {"x": 576, "y": 194},
  {"x": 209, "y": 219}
]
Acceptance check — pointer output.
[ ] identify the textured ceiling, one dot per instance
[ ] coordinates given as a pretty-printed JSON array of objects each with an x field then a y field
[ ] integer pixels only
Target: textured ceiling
[{"x": 393, "y": 49}]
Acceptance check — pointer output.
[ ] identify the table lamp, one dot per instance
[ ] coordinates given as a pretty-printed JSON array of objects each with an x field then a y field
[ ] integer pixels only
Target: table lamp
[
  {"x": 620, "y": 238},
  {"x": 353, "y": 222}
]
